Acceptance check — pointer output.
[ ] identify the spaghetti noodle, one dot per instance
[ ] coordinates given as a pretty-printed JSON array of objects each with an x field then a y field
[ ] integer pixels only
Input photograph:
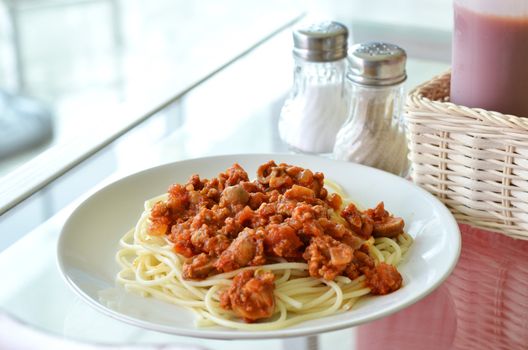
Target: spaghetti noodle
[{"x": 151, "y": 266}]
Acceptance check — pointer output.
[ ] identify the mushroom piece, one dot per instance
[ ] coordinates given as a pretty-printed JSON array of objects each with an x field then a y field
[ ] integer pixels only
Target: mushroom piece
[{"x": 389, "y": 227}]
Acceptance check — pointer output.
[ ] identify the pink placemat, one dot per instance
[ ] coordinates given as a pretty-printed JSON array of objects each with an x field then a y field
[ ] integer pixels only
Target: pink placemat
[{"x": 482, "y": 305}]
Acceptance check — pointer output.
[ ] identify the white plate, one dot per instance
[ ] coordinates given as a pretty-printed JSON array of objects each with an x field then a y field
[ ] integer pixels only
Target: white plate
[{"x": 89, "y": 241}]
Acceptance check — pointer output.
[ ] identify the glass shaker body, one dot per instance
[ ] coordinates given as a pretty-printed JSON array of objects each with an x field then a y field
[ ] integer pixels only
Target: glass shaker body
[
  {"x": 316, "y": 108},
  {"x": 374, "y": 133},
  {"x": 490, "y": 55}
]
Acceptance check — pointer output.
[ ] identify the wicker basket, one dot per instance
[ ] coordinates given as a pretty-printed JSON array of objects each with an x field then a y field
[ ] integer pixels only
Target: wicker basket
[{"x": 473, "y": 160}]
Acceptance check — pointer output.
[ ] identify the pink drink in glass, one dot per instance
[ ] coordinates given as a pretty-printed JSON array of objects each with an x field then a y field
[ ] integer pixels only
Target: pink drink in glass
[{"x": 490, "y": 55}]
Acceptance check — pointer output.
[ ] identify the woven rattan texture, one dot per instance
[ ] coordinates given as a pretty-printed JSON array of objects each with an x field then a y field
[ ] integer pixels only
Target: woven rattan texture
[{"x": 475, "y": 161}]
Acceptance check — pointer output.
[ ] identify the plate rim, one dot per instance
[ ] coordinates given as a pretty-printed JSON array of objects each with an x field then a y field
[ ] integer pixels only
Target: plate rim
[{"x": 234, "y": 334}]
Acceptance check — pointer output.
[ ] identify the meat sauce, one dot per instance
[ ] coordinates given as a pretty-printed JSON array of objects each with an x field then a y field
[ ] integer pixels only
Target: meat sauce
[{"x": 229, "y": 222}]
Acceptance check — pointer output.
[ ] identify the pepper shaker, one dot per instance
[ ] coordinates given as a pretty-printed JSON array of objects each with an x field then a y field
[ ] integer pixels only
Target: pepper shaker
[
  {"x": 374, "y": 133},
  {"x": 318, "y": 102}
]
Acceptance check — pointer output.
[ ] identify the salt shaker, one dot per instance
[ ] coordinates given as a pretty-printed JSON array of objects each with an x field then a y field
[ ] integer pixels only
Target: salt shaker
[
  {"x": 318, "y": 103},
  {"x": 374, "y": 133}
]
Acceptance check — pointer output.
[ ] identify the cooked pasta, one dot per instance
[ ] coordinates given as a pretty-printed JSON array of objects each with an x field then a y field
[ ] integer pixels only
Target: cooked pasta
[{"x": 280, "y": 283}]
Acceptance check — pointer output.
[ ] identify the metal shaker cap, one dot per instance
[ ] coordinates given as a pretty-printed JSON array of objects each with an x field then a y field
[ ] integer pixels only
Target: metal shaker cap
[
  {"x": 320, "y": 42},
  {"x": 377, "y": 64}
]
